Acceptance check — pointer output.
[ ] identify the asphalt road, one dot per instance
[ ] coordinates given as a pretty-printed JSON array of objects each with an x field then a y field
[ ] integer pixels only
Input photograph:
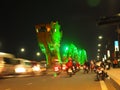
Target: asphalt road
[{"x": 79, "y": 81}]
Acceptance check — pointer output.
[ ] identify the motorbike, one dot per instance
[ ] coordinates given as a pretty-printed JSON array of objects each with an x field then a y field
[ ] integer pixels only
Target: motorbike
[
  {"x": 107, "y": 66},
  {"x": 85, "y": 68},
  {"x": 70, "y": 72},
  {"x": 64, "y": 67},
  {"x": 74, "y": 69},
  {"x": 100, "y": 73},
  {"x": 57, "y": 70}
]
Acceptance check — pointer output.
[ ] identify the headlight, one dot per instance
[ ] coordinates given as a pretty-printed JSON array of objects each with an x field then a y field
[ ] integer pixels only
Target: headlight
[
  {"x": 20, "y": 70},
  {"x": 36, "y": 68}
]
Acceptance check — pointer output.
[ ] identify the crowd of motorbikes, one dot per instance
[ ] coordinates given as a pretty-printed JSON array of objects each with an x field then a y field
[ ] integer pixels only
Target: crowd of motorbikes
[
  {"x": 72, "y": 67},
  {"x": 101, "y": 74}
]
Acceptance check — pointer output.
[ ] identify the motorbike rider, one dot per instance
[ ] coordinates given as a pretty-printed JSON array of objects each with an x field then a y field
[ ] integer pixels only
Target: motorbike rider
[
  {"x": 102, "y": 64},
  {"x": 57, "y": 67},
  {"x": 86, "y": 67},
  {"x": 78, "y": 66},
  {"x": 100, "y": 73},
  {"x": 92, "y": 65},
  {"x": 69, "y": 64},
  {"x": 74, "y": 66}
]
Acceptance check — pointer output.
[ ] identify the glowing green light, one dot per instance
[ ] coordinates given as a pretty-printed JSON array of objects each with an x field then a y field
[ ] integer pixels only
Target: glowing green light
[
  {"x": 49, "y": 43},
  {"x": 83, "y": 56},
  {"x": 56, "y": 38},
  {"x": 42, "y": 47},
  {"x": 76, "y": 54},
  {"x": 66, "y": 48},
  {"x": 49, "y": 37}
]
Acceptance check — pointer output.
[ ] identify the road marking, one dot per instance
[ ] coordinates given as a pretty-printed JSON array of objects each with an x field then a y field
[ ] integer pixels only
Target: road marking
[{"x": 103, "y": 85}]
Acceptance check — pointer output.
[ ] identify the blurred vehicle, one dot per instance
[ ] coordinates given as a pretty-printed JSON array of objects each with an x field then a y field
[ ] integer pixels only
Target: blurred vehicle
[
  {"x": 64, "y": 67},
  {"x": 70, "y": 67},
  {"x": 7, "y": 64},
  {"x": 43, "y": 66},
  {"x": 23, "y": 67},
  {"x": 98, "y": 63},
  {"x": 35, "y": 68},
  {"x": 57, "y": 67},
  {"x": 100, "y": 73},
  {"x": 107, "y": 64},
  {"x": 115, "y": 63},
  {"x": 78, "y": 66},
  {"x": 70, "y": 72},
  {"x": 85, "y": 68}
]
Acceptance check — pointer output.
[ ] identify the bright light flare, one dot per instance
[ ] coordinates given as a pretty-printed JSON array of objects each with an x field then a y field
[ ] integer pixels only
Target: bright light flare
[
  {"x": 20, "y": 70},
  {"x": 36, "y": 68}
]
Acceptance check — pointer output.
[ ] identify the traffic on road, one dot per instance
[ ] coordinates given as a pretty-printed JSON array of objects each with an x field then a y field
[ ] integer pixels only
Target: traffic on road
[{"x": 11, "y": 69}]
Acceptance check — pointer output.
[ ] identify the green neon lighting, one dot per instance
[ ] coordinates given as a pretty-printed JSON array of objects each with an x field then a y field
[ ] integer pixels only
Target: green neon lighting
[
  {"x": 76, "y": 54},
  {"x": 83, "y": 56},
  {"x": 42, "y": 47},
  {"x": 56, "y": 39},
  {"x": 50, "y": 43}
]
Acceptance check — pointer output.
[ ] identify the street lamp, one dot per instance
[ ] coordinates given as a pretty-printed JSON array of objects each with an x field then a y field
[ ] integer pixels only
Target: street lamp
[
  {"x": 21, "y": 53},
  {"x": 38, "y": 53},
  {"x": 99, "y": 45},
  {"x": 22, "y": 50},
  {"x": 98, "y": 50},
  {"x": 100, "y": 37}
]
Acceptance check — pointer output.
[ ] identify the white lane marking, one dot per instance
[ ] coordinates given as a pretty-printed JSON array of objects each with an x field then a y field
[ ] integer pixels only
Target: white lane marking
[{"x": 103, "y": 85}]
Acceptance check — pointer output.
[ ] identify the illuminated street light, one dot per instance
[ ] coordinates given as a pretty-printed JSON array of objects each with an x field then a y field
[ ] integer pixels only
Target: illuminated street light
[
  {"x": 99, "y": 45},
  {"x": 38, "y": 53},
  {"x": 21, "y": 53},
  {"x": 100, "y": 37},
  {"x": 108, "y": 53},
  {"x": 98, "y": 56},
  {"x": 22, "y": 50},
  {"x": 98, "y": 50}
]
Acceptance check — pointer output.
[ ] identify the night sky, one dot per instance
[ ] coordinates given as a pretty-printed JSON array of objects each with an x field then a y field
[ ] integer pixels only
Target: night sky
[{"x": 77, "y": 19}]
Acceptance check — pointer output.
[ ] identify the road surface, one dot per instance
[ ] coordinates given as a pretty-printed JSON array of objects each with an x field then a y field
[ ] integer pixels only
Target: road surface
[{"x": 79, "y": 81}]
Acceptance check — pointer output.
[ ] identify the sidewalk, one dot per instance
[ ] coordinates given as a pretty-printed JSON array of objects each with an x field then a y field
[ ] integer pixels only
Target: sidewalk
[{"x": 114, "y": 73}]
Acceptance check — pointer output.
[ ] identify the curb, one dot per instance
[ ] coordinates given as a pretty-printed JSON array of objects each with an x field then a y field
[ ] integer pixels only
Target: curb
[
  {"x": 114, "y": 79},
  {"x": 115, "y": 84}
]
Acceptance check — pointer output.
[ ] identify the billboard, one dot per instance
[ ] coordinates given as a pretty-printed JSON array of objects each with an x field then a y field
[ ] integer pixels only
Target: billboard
[{"x": 116, "y": 44}]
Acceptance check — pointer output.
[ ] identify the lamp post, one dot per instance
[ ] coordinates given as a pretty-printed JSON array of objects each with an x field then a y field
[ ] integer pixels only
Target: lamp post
[{"x": 22, "y": 49}]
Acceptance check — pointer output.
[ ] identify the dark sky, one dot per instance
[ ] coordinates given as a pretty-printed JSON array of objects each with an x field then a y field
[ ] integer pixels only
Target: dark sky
[{"x": 76, "y": 17}]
